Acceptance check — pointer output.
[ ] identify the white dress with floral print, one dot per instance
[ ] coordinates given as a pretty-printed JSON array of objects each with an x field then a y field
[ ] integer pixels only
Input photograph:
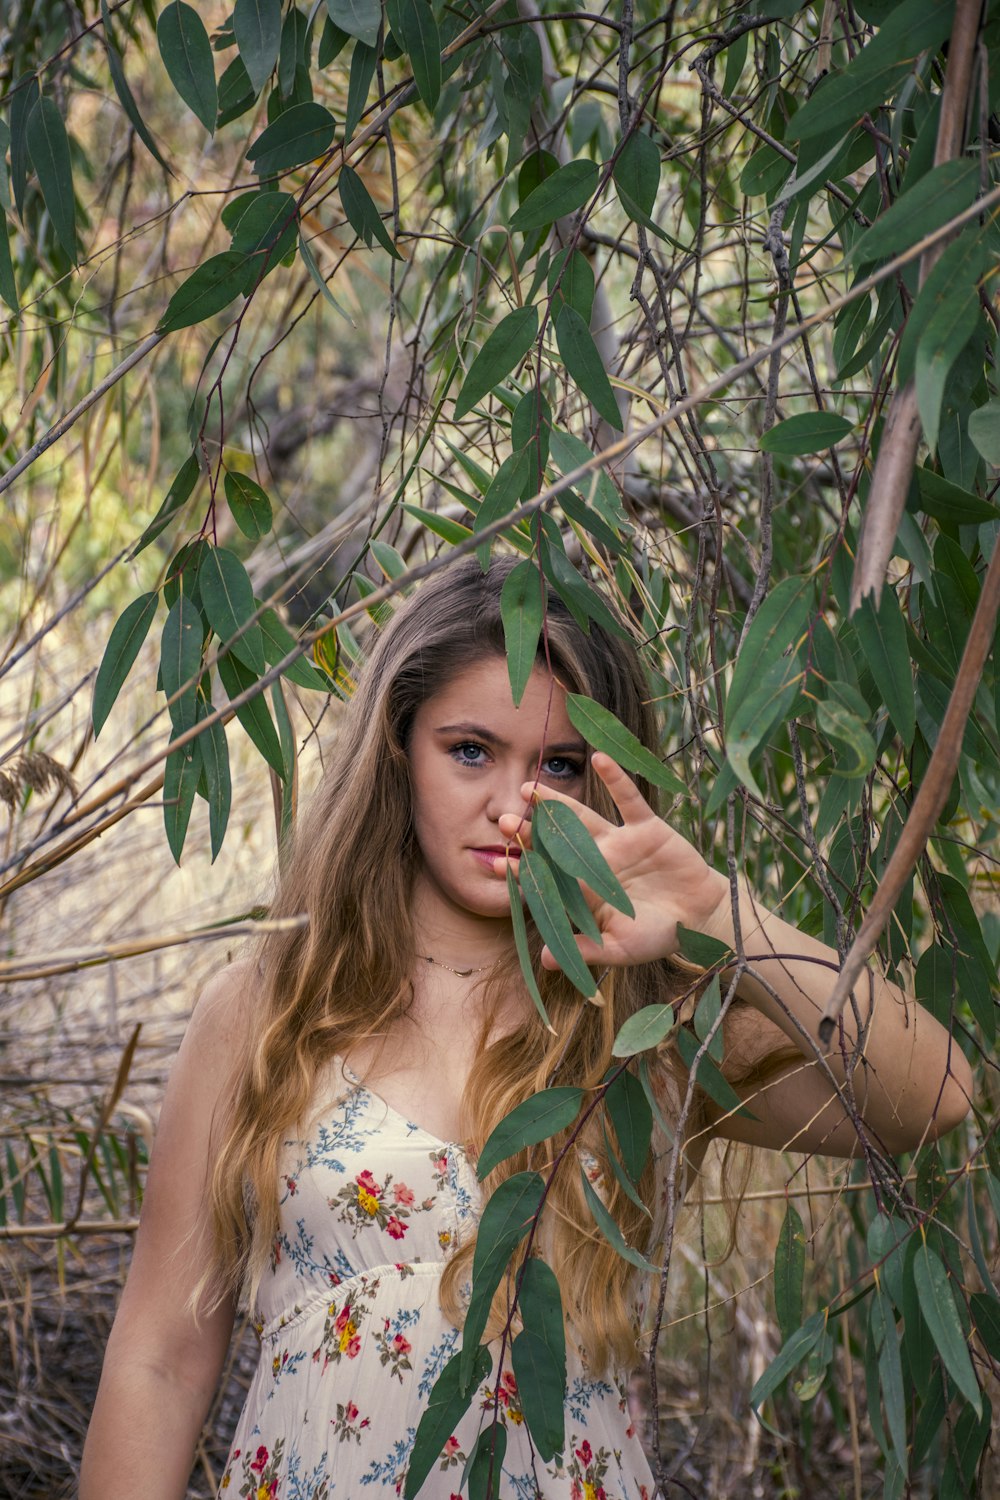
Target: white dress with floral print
[{"x": 353, "y": 1336}]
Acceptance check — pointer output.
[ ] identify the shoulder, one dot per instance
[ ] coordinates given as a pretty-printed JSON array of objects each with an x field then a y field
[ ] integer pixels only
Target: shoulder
[{"x": 214, "y": 1046}]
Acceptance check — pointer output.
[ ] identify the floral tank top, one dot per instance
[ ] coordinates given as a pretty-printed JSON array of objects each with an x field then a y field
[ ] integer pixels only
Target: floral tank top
[{"x": 352, "y": 1336}]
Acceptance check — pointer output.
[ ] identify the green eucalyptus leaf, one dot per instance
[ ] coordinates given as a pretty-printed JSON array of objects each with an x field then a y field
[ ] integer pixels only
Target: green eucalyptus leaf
[
  {"x": 792, "y": 1353},
  {"x": 580, "y": 355},
  {"x": 181, "y": 773},
  {"x": 542, "y": 895},
  {"x": 300, "y": 134},
  {"x": 939, "y": 195},
  {"x": 779, "y": 622},
  {"x": 521, "y": 944},
  {"x": 362, "y": 215},
  {"x": 610, "y": 1230},
  {"x": 522, "y": 605},
  {"x": 882, "y": 633},
  {"x": 637, "y": 177},
  {"x": 503, "y": 350},
  {"x": 121, "y": 87},
  {"x": 218, "y": 781},
  {"x": 227, "y": 597},
  {"x": 257, "y": 28},
  {"x": 508, "y": 1215},
  {"x": 630, "y": 1114},
  {"x": 486, "y": 1463},
  {"x": 48, "y": 147},
  {"x": 187, "y": 56},
  {"x": 560, "y": 834},
  {"x": 363, "y": 62},
  {"x": 534, "y": 1119},
  {"x": 416, "y": 30},
  {"x": 567, "y": 189},
  {"x": 540, "y": 1369},
  {"x": 603, "y": 731},
  {"x": 180, "y": 661},
  {"x": 124, "y": 645},
  {"x": 358, "y": 18},
  {"x": 249, "y": 504},
  {"x": 449, "y": 1400},
  {"x": 647, "y": 1028},
  {"x": 984, "y": 430},
  {"x": 937, "y": 1304},
  {"x": 710, "y": 1076},
  {"x": 253, "y": 714},
  {"x": 810, "y": 432},
  {"x": 210, "y": 288},
  {"x": 789, "y": 1272},
  {"x": 278, "y": 642}
]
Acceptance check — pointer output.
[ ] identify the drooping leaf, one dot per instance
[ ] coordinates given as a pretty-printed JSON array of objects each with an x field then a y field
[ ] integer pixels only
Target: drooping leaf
[
  {"x": 218, "y": 782},
  {"x": 179, "y": 492},
  {"x": 765, "y": 707},
  {"x": 701, "y": 949},
  {"x": 882, "y": 633},
  {"x": 121, "y": 87},
  {"x": 522, "y": 604},
  {"x": 566, "y": 190},
  {"x": 449, "y": 1400},
  {"x": 534, "y": 1119},
  {"x": 362, "y": 215},
  {"x": 8, "y": 286},
  {"x": 416, "y": 30},
  {"x": 610, "y": 1229},
  {"x": 263, "y": 222},
  {"x": 947, "y": 501},
  {"x": 48, "y": 147},
  {"x": 210, "y": 288},
  {"x": 236, "y": 93},
  {"x": 632, "y": 1118},
  {"x": 300, "y": 134},
  {"x": 778, "y": 623},
  {"x": 486, "y": 1464},
  {"x": 187, "y": 56},
  {"x": 363, "y": 61},
  {"x": 603, "y": 731},
  {"x": 503, "y": 350},
  {"x": 851, "y": 734},
  {"x": 253, "y": 714},
  {"x": 124, "y": 645},
  {"x": 541, "y": 1385},
  {"x": 180, "y": 661},
  {"x": 706, "y": 1014},
  {"x": 789, "y": 1272},
  {"x": 542, "y": 896},
  {"x": 570, "y": 452},
  {"x": 637, "y": 177},
  {"x": 257, "y": 28},
  {"x": 559, "y": 833},
  {"x": 575, "y": 904},
  {"x": 540, "y": 1368},
  {"x": 249, "y": 504},
  {"x": 647, "y": 1028},
  {"x": 984, "y": 430},
  {"x": 359, "y": 18},
  {"x": 580, "y": 355},
  {"x": 809, "y": 432},
  {"x": 937, "y": 1305},
  {"x": 506, "y": 1219},
  {"x": 710, "y": 1076},
  {"x": 890, "y": 1369},
  {"x": 503, "y": 496},
  {"x": 875, "y": 72},
  {"x": 792, "y": 1353},
  {"x": 319, "y": 280},
  {"x": 227, "y": 596},
  {"x": 570, "y": 279},
  {"x": 939, "y": 195},
  {"x": 23, "y": 95},
  {"x": 181, "y": 774},
  {"x": 517, "y": 922},
  {"x": 278, "y": 642}
]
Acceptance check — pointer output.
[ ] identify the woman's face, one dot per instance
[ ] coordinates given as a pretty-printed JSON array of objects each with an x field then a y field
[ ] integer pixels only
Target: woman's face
[{"x": 470, "y": 752}]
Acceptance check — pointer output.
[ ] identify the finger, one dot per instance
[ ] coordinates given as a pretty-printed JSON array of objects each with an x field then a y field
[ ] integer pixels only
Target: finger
[
  {"x": 623, "y": 791},
  {"x": 516, "y": 829},
  {"x": 534, "y": 792}
]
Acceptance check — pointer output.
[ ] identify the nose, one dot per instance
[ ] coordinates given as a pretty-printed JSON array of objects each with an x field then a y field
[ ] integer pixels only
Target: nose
[{"x": 505, "y": 794}]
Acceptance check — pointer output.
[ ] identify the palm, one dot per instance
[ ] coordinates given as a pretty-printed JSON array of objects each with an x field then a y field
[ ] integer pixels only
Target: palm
[{"x": 666, "y": 879}]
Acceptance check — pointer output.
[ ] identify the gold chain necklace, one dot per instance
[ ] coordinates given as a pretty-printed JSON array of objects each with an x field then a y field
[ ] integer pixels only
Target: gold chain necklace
[{"x": 462, "y": 973}]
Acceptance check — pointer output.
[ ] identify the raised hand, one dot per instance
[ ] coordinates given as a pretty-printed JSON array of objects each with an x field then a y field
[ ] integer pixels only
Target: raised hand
[{"x": 666, "y": 879}]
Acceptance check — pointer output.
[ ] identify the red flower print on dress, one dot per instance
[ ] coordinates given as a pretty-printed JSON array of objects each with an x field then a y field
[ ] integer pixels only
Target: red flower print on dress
[
  {"x": 260, "y": 1462},
  {"x": 452, "y": 1446},
  {"x": 401, "y": 1345},
  {"x": 402, "y": 1194},
  {"x": 585, "y": 1453},
  {"x": 395, "y": 1228}
]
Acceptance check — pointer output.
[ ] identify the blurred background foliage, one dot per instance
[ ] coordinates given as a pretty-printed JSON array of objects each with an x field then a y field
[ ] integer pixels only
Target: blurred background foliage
[{"x": 298, "y": 299}]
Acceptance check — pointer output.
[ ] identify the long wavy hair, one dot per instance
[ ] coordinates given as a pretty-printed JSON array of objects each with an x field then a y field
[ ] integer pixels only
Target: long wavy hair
[{"x": 344, "y": 978}]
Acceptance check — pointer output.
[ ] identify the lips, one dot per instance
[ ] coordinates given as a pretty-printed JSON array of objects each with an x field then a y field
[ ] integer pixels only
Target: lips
[{"x": 491, "y": 852}]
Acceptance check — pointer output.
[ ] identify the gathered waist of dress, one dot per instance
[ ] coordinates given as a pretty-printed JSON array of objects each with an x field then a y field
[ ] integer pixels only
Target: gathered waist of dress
[{"x": 370, "y": 1282}]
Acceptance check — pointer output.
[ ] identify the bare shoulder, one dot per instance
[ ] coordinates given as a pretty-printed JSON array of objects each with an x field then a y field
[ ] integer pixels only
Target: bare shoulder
[{"x": 214, "y": 1042}]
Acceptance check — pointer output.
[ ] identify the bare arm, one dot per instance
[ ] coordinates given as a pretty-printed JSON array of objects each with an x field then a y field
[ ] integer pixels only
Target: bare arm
[
  {"x": 162, "y": 1366},
  {"x": 909, "y": 1079}
]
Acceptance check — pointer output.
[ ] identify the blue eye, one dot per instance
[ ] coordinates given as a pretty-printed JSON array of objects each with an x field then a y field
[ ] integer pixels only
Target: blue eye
[
  {"x": 561, "y": 769},
  {"x": 469, "y": 753}
]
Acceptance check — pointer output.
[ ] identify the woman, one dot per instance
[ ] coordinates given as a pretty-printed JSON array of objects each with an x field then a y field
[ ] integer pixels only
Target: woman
[{"x": 316, "y": 1148}]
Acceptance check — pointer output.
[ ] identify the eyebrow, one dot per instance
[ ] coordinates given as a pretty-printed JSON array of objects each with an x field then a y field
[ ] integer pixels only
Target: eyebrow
[{"x": 480, "y": 732}]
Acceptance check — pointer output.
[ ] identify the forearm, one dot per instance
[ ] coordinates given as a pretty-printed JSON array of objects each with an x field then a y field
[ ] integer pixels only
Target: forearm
[
  {"x": 143, "y": 1434},
  {"x": 907, "y": 1074}
]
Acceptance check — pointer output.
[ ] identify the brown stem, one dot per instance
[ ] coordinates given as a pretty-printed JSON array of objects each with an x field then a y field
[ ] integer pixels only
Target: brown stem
[{"x": 897, "y": 452}]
